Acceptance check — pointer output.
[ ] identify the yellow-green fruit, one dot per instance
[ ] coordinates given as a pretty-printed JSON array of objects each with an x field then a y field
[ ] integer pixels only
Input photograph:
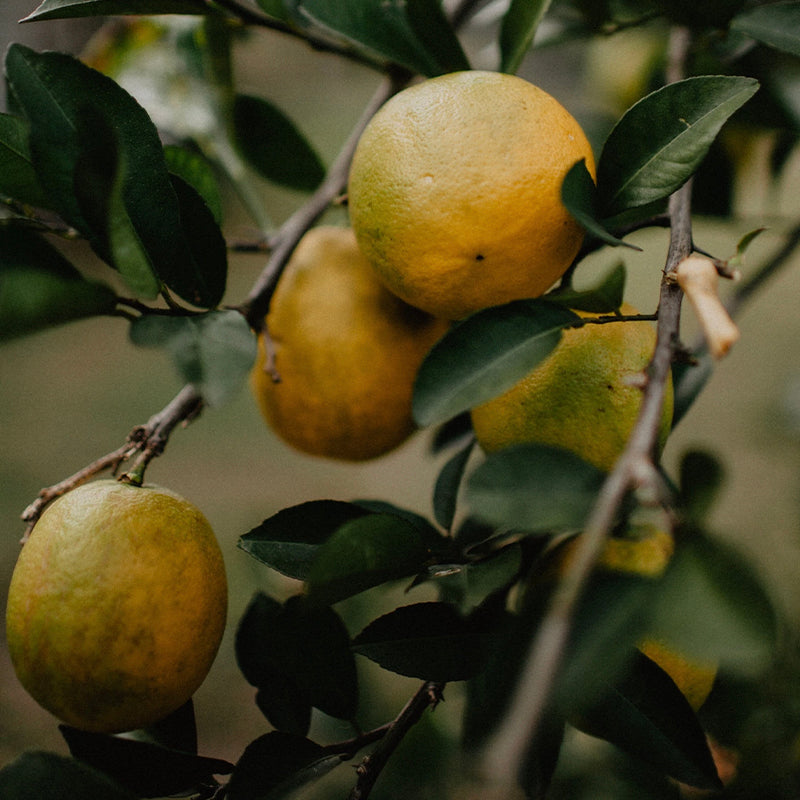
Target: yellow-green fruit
[
  {"x": 345, "y": 352},
  {"x": 117, "y": 606},
  {"x": 455, "y": 192},
  {"x": 585, "y": 396}
]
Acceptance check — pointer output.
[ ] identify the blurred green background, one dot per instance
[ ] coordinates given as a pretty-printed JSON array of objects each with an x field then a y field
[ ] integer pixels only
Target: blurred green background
[{"x": 72, "y": 394}]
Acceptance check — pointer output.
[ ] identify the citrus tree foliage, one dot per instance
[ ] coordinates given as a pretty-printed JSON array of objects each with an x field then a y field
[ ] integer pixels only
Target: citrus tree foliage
[{"x": 81, "y": 159}]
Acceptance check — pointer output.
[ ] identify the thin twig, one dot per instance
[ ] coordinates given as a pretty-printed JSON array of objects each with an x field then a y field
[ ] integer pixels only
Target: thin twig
[
  {"x": 428, "y": 696},
  {"x": 634, "y": 469}
]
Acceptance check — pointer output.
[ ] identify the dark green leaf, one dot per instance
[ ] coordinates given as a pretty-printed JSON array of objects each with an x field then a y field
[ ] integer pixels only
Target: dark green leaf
[
  {"x": 17, "y": 176},
  {"x": 364, "y": 553},
  {"x": 434, "y": 32},
  {"x": 64, "y": 9},
  {"x": 54, "y": 89},
  {"x": 215, "y": 351},
  {"x": 289, "y": 540},
  {"x": 661, "y": 140},
  {"x": 193, "y": 169},
  {"x": 431, "y": 641},
  {"x": 445, "y": 492},
  {"x": 451, "y": 433},
  {"x": 382, "y": 27},
  {"x": 737, "y": 626},
  {"x": 300, "y": 644},
  {"x": 275, "y": 8},
  {"x": 688, "y": 381},
  {"x": 38, "y": 775},
  {"x": 272, "y": 144},
  {"x": 39, "y": 288},
  {"x": 277, "y": 764},
  {"x": 579, "y": 195},
  {"x": 535, "y": 488},
  {"x": 428, "y": 532},
  {"x": 517, "y": 31},
  {"x": 146, "y": 769},
  {"x": 776, "y": 25},
  {"x": 701, "y": 476},
  {"x": 645, "y": 714},
  {"x": 284, "y": 705},
  {"x": 177, "y": 731},
  {"x": 604, "y": 298},
  {"x": 484, "y": 356}
]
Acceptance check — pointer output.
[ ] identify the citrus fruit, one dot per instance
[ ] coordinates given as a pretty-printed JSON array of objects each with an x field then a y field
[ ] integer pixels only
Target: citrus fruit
[
  {"x": 345, "y": 351},
  {"x": 584, "y": 397},
  {"x": 116, "y": 606},
  {"x": 646, "y": 551},
  {"x": 455, "y": 191}
]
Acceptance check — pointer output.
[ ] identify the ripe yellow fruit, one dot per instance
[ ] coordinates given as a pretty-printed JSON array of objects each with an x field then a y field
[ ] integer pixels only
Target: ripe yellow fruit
[
  {"x": 584, "y": 396},
  {"x": 455, "y": 192},
  {"x": 346, "y": 352},
  {"x": 117, "y": 606},
  {"x": 646, "y": 551}
]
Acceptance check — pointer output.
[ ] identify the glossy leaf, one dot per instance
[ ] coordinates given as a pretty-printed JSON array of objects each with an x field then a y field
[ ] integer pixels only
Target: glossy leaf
[
  {"x": 737, "y": 627},
  {"x": 776, "y": 25},
  {"x": 661, "y": 140},
  {"x": 430, "y": 641},
  {"x": 298, "y": 644},
  {"x": 277, "y": 764},
  {"x": 39, "y": 288},
  {"x": 214, "y": 351},
  {"x": 645, "y": 714},
  {"x": 517, "y": 31},
  {"x": 193, "y": 169},
  {"x": 146, "y": 769},
  {"x": 39, "y": 774},
  {"x": 65, "y": 9},
  {"x": 273, "y": 146},
  {"x": 288, "y": 541},
  {"x": 385, "y": 28},
  {"x": 534, "y": 488},
  {"x": 579, "y": 196},
  {"x": 604, "y": 298},
  {"x": 17, "y": 176},
  {"x": 448, "y": 483},
  {"x": 364, "y": 553},
  {"x": 485, "y": 355}
]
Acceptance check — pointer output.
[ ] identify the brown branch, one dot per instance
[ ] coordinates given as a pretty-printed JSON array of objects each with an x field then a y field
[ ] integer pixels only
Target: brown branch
[
  {"x": 428, "y": 696},
  {"x": 636, "y": 470},
  {"x": 148, "y": 440}
]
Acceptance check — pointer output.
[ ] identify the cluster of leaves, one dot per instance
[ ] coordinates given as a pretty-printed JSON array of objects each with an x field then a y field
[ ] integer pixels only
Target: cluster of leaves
[{"x": 79, "y": 157}]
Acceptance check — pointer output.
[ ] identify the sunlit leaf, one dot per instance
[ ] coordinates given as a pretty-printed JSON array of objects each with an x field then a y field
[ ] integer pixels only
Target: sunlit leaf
[
  {"x": 776, "y": 25},
  {"x": 661, "y": 140},
  {"x": 485, "y": 355},
  {"x": 214, "y": 351},
  {"x": 517, "y": 31}
]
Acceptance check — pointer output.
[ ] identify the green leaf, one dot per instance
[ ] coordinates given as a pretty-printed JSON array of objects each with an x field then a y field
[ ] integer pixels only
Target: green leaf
[
  {"x": 737, "y": 626},
  {"x": 17, "y": 176},
  {"x": 40, "y": 289},
  {"x": 146, "y": 769},
  {"x": 65, "y": 9},
  {"x": 776, "y": 25},
  {"x": 661, "y": 140},
  {"x": 54, "y": 90},
  {"x": 645, "y": 714},
  {"x": 288, "y": 541},
  {"x": 579, "y": 195},
  {"x": 701, "y": 477},
  {"x": 37, "y": 774},
  {"x": 517, "y": 31},
  {"x": 275, "y": 8},
  {"x": 534, "y": 488},
  {"x": 384, "y": 28},
  {"x": 194, "y": 170},
  {"x": 301, "y": 644},
  {"x": 445, "y": 492},
  {"x": 214, "y": 351},
  {"x": 364, "y": 553},
  {"x": 431, "y": 641},
  {"x": 276, "y": 765},
  {"x": 604, "y": 298},
  {"x": 273, "y": 146},
  {"x": 434, "y": 32},
  {"x": 485, "y": 355}
]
